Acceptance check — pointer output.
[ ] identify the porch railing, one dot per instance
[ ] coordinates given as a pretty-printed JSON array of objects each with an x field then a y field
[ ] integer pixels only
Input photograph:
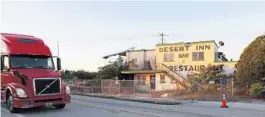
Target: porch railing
[{"x": 145, "y": 65}]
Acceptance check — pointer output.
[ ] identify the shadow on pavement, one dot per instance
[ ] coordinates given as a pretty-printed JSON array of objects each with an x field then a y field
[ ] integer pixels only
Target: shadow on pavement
[{"x": 36, "y": 110}]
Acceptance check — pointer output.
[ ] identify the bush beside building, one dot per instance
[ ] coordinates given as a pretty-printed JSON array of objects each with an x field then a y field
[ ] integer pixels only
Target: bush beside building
[{"x": 251, "y": 68}]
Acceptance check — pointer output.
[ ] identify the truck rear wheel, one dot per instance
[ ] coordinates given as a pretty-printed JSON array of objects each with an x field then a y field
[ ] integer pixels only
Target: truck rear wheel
[
  {"x": 10, "y": 104},
  {"x": 60, "y": 106}
]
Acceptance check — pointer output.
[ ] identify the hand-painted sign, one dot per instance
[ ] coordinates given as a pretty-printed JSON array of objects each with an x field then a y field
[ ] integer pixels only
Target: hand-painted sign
[
  {"x": 194, "y": 67},
  {"x": 187, "y": 67},
  {"x": 186, "y": 55},
  {"x": 183, "y": 48},
  {"x": 173, "y": 49}
]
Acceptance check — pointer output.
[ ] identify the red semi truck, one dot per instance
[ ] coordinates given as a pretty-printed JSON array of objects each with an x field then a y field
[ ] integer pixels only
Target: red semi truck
[{"x": 29, "y": 77}]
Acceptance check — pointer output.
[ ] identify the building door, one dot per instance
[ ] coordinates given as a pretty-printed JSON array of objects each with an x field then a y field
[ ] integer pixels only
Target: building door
[{"x": 152, "y": 81}]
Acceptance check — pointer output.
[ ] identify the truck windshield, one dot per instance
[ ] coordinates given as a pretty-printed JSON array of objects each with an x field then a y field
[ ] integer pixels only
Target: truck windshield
[{"x": 26, "y": 61}]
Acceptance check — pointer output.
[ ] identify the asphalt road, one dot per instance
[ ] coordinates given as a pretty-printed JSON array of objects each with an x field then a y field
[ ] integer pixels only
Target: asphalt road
[{"x": 97, "y": 107}]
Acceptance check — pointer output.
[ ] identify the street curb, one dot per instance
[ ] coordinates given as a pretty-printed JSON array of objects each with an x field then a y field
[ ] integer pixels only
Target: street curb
[{"x": 133, "y": 100}]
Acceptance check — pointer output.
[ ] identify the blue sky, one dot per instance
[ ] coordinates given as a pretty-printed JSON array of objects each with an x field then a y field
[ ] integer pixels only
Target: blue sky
[{"x": 89, "y": 30}]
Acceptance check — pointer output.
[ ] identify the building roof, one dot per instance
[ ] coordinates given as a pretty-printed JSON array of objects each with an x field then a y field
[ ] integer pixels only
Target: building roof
[
  {"x": 140, "y": 71},
  {"x": 123, "y": 53},
  {"x": 181, "y": 43}
]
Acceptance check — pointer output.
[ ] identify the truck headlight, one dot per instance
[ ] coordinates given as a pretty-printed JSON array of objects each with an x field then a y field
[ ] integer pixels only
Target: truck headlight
[
  {"x": 21, "y": 93},
  {"x": 67, "y": 89}
]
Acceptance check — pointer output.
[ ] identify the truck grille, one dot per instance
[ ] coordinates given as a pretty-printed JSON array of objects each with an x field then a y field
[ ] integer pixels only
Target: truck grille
[{"x": 47, "y": 86}]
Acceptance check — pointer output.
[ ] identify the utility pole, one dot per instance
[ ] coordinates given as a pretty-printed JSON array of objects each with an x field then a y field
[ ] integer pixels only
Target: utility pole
[{"x": 162, "y": 37}]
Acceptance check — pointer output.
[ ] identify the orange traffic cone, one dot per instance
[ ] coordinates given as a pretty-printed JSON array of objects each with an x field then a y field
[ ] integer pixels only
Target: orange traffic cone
[{"x": 224, "y": 102}]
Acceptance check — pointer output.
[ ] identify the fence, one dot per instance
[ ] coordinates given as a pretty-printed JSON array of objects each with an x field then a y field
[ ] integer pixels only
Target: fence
[
  {"x": 206, "y": 91},
  {"x": 112, "y": 87},
  {"x": 135, "y": 88}
]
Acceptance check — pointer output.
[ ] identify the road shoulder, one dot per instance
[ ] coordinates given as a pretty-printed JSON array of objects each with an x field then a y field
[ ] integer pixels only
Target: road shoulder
[{"x": 137, "y": 99}]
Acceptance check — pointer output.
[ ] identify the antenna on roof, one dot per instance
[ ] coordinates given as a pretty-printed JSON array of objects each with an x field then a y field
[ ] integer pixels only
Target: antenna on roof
[{"x": 132, "y": 48}]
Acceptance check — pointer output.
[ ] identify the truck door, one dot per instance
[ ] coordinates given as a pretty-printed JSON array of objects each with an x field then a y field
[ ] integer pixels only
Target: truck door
[{"x": 5, "y": 75}]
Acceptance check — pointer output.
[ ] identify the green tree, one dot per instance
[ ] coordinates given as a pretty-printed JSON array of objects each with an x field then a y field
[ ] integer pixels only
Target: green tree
[
  {"x": 85, "y": 75},
  {"x": 66, "y": 74},
  {"x": 112, "y": 70},
  {"x": 251, "y": 66},
  {"x": 211, "y": 72},
  {"x": 80, "y": 74}
]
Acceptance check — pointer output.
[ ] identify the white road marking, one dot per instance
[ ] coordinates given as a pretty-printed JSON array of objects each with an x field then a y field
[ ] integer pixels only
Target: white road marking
[
  {"x": 12, "y": 114},
  {"x": 5, "y": 110},
  {"x": 19, "y": 115},
  {"x": 114, "y": 110}
]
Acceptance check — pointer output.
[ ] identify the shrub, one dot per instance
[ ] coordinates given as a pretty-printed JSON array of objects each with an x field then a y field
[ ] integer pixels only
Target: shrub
[{"x": 257, "y": 90}]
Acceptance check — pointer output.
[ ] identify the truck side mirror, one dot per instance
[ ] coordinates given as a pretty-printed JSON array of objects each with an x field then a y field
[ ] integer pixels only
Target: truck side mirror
[
  {"x": 2, "y": 63},
  {"x": 59, "y": 67}
]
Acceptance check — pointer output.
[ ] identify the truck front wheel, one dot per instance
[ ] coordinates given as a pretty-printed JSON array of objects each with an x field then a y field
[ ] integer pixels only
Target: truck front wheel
[
  {"x": 60, "y": 106},
  {"x": 10, "y": 104}
]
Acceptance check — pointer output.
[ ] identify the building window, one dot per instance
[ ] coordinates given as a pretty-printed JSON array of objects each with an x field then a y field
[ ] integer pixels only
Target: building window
[
  {"x": 134, "y": 61},
  {"x": 172, "y": 81},
  {"x": 138, "y": 78},
  {"x": 201, "y": 55},
  {"x": 141, "y": 80},
  {"x": 168, "y": 57},
  {"x": 194, "y": 56},
  {"x": 197, "y": 56},
  {"x": 162, "y": 79}
]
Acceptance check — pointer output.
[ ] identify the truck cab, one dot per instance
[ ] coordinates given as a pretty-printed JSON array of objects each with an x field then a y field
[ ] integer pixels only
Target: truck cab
[{"x": 29, "y": 75}]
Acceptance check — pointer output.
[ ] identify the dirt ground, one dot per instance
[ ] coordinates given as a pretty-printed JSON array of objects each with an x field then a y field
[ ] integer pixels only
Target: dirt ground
[{"x": 202, "y": 95}]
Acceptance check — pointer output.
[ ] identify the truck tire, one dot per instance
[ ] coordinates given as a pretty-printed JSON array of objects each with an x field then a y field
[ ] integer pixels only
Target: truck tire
[
  {"x": 60, "y": 106},
  {"x": 10, "y": 105}
]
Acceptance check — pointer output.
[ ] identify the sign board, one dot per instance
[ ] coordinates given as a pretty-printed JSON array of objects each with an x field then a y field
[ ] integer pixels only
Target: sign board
[{"x": 211, "y": 82}]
